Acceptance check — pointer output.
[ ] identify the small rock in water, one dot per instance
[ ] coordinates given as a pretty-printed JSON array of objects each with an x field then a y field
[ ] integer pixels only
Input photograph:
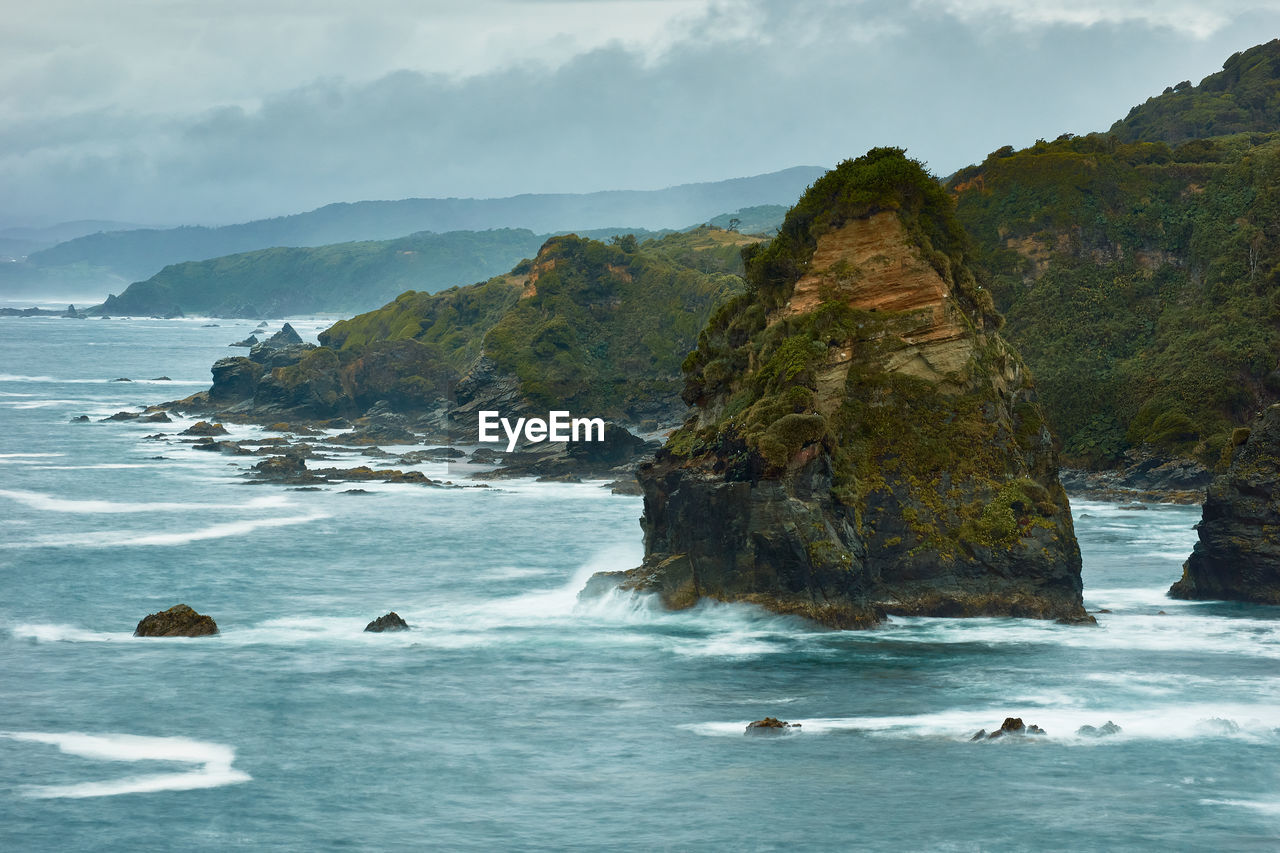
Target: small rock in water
[
  {"x": 1012, "y": 726},
  {"x": 390, "y": 622},
  {"x": 204, "y": 428},
  {"x": 1099, "y": 731},
  {"x": 124, "y": 416},
  {"x": 161, "y": 379},
  {"x": 122, "y": 379},
  {"x": 80, "y": 420},
  {"x": 178, "y": 621},
  {"x": 770, "y": 726},
  {"x": 980, "y": 735},
  {"x": 158, "y": 418}
]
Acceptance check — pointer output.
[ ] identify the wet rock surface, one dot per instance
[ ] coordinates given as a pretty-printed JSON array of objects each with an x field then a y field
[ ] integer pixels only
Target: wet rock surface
[
  {"x": 771, "y": 726},
  {"x": 389, "y": 622},
  {"x": 1237, "y": 556},
  {"x": 178, "y": 621}
]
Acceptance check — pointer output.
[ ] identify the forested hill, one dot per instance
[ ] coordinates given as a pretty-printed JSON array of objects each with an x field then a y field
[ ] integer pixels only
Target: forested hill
[{"x": 1244, "y": 96}]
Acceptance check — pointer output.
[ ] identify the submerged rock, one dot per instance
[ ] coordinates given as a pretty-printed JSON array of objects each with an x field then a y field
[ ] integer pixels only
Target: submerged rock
[
  {"x": 1109, "y": 728},
  {"x": 178, "y": 621},
  {"x": 1237, "y": 556},
  {"x": 771, "y": 726},
  {"x": 863, "y": 441},
  {"x": 389, "y": 622}
]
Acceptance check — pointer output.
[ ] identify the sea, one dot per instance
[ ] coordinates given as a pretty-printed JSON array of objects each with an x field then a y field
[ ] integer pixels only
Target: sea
[{"x": 513, "y": 716}]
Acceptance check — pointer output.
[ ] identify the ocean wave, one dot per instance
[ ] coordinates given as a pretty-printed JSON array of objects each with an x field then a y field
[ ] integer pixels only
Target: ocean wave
[
  {"x": 130, "y": 538},
  {"x": 15, "y": 377},
  {"x": 1255, "y": 723},
  {"x": 213, "y": 763},
  {"x": 50, "y": 503},
  {"x": 53, "y": 633}
]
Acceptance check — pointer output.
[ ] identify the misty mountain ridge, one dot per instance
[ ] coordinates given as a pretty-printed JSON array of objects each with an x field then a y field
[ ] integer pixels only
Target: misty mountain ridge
[{"x": 138, "y": 254}]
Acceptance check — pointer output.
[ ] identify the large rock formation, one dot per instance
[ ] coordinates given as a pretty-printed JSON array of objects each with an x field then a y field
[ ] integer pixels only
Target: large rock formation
[
  {"x": 863, "y": 441},
  {"x": 1238, "y": 555}
]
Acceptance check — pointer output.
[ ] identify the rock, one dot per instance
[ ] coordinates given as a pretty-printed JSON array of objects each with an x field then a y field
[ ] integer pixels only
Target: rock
[
  {"x": 628, "y": 486},
  {"x": 1101, "y": 731},
  {"x": 980, "y": 735},
  {"x": 1133, "y": 506},
  {"x": 281, "y": 467},
  {"x": 178, "y": 621},
  {"x": 560, "y": 478},
  {"x": 862, "y": 440},
  {"x": 485, "y": 456},
  {"x": 158, "y": 418},
  {"x": 122, "y": 379},
  {"x": 204, "y": 428},
  {"x": 1012, "y": 726},
  {"x": 161, "y": 379},
  {"x": 389, "y": 622},
  {"x": 251, "y": 341},
  {"x": 80, "y": 419},
  {"x": 1237, "y": 556},
  {"x": 771, "y": 726},
  {"x": 234, "y": 379},
  {"x": 124, "y": 416}
]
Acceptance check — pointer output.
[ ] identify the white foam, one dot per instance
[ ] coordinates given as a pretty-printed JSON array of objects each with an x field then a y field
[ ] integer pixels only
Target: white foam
[
  {"x": 52, "y": 633},
  {"x": 50, "y": 503},
  {"x": 1256, "y": 724},
  {"x": 29, "y": 455},
  {"x": 129, "y": 538},
  {"x": 214, "y": 763}
]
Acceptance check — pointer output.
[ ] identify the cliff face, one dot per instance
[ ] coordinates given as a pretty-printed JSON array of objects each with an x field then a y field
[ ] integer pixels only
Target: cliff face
[
  {"x": 863, "y": 441},
  {"x": 1238, "y": 555}
]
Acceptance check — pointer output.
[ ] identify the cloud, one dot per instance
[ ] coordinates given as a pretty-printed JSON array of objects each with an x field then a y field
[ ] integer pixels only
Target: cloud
[{"x": 558, "y": 96}]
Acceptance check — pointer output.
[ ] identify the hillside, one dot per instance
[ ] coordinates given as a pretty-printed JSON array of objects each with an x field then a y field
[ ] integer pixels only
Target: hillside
[
  {"x": 139, "y": 254},
  {"x": 1243, "y": 97},
  {"x": 585, "y": 326},
  {"x": 1140, "y": 281}
]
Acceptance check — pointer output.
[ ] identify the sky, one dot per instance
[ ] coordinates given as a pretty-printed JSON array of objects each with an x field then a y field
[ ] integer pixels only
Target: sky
[{"x": 174, "y": 112}]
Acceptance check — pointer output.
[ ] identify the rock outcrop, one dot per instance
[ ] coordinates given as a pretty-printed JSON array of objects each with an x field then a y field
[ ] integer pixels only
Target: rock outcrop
[
  {"x": 863, "y": 442},
  {"x": 178, "y": 621},
  {"x": 1238, "y": 554},
  {"x": 389, "y": 622},
  {"x": 771, "y": 726}
]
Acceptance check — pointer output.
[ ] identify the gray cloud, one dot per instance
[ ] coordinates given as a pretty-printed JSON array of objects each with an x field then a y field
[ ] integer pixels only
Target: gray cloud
[{"x": 705, "y": 91}]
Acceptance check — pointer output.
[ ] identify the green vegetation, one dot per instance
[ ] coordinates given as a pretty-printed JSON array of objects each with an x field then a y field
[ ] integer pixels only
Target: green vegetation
[
  {"x": 1141, "y": 283},
  {"x": 762, "y": 379},
  {"x": 1243, "y": 97},
  {"x": 343, "y": 277},
  {"x": 585, "y": 325}
]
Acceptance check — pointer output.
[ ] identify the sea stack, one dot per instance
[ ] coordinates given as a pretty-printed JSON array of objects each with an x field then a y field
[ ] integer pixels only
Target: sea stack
[
  {"x": 1238, "y": 554},
  {"x": 863, "y": 442}
]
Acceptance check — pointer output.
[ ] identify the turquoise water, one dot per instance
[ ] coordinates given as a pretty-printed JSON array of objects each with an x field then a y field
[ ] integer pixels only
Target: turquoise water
[{"x": 515, "y": 717}]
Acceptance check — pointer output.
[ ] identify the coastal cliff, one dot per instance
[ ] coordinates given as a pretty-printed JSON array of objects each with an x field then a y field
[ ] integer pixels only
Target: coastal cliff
[
  {"x": 863, "y": 442},
  {"x": 1238, "y": 554}
]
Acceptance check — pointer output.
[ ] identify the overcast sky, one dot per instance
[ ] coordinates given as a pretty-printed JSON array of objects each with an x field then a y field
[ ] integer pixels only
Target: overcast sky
[{"x": 171, "y": 111}]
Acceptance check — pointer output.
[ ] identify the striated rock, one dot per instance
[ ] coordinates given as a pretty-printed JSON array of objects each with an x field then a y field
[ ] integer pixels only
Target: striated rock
[
  {"x": 863, "y": 441},
  {"x": 204, "y": 428},
  {"x": 771, "y": 726},
  {"x": 389, "y": 622},
  {"x": 1238, "y": 554},
  {"x": 178, "y": 621},
  {"x": 234, "y": 378}
]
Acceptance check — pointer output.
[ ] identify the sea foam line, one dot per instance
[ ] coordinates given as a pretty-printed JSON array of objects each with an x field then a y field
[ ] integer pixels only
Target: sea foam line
[
  {"x": 129, "y": 538},
  {"x": 214, "y": 762},
  {"x": 49, "y": 503}
]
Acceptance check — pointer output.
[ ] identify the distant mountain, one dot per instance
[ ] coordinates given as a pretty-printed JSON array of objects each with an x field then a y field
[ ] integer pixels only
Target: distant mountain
[
  {"x": 19, "y": 242},
  {"x": 1243, "y": 97},
  {"x": 139, "y": 254}
]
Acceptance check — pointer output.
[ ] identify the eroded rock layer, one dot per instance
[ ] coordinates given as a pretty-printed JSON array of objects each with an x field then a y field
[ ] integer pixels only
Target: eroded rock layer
[{"x": 862, "y": 441}]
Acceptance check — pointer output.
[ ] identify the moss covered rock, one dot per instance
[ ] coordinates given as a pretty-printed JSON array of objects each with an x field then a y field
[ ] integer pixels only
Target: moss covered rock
[{"x": 863, "y": 441}]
